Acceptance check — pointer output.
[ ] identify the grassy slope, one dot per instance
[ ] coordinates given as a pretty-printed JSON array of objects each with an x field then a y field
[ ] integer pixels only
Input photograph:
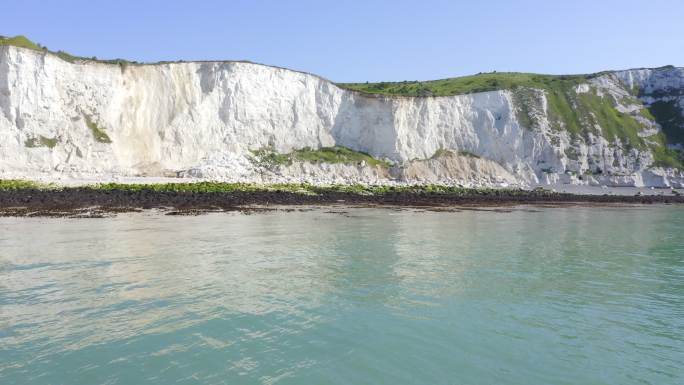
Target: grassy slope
[
  {"x": 24, "y": 42},
  {"x": 20, "y": 41},
  {"x": 337, "y": 154}
]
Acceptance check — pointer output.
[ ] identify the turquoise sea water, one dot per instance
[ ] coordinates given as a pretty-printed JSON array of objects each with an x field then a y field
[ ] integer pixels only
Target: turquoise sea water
[{"x": 579, "y": 295}]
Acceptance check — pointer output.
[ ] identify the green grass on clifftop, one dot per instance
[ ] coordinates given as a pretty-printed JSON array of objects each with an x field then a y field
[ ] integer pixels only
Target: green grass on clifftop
[
  {"x": 19, "y": 41},
  {"x": 467, "y": 84},
  {"x": 24, "y": 42}
]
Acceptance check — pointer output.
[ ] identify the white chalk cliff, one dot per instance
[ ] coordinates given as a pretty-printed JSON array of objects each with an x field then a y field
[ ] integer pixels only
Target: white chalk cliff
[{"x": 88, "y": 120}]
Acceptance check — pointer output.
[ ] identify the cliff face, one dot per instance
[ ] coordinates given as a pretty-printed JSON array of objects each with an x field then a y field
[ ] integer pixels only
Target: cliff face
[{"x": 69, "y": 121}]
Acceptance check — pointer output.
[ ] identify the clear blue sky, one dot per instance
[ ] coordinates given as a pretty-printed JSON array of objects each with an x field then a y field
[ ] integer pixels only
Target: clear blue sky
[{"x": 369, "y": 40}]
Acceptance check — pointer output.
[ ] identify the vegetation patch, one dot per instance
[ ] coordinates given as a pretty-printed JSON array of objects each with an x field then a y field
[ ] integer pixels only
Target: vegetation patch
[
  {"x": 588, "y": 112},
  {"x": 20, "y": 41},
  {"x": 290, "y": 188},
  {"x": 670, "y": 117},
  {"x": 98, "y": 133},
  {"x": 199, "y": 187},
  {"x": 581, "y": 114},
  {"x": 24, "y": 42},
  {"x": 268, "y": 157},
  {"x": 601, "y": 111},
  {"x": 467, "y": 84},
  {"x": 468, "y": 154},
  {"x": 441, "y": 152},
  {"x": 14, "y": 184},
  {"x": 646, "y": 114},
  {"x": 41, "y": 141},
  {"x": 206, "y": 187},
  {"x": 445, "y": 152},
  {"x": 572, "y": 153},
  {"x": 664, "y": 156},
  {"x": 528, "y": 106},
  {"x": 337, "y": 154},
  {"x": 300, "y": 188}
]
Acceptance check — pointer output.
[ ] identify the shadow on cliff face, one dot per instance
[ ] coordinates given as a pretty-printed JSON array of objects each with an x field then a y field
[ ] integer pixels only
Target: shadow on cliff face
[
  {"x": 4, "y": 86},
  {"x": 207, "y": 74},
  {"x": 210, "y": 76},
  {"x": 366, "y": 124}
]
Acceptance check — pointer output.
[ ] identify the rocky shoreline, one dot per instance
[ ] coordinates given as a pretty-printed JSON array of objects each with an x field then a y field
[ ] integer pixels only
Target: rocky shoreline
[{"x": 87, "y": 202}]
